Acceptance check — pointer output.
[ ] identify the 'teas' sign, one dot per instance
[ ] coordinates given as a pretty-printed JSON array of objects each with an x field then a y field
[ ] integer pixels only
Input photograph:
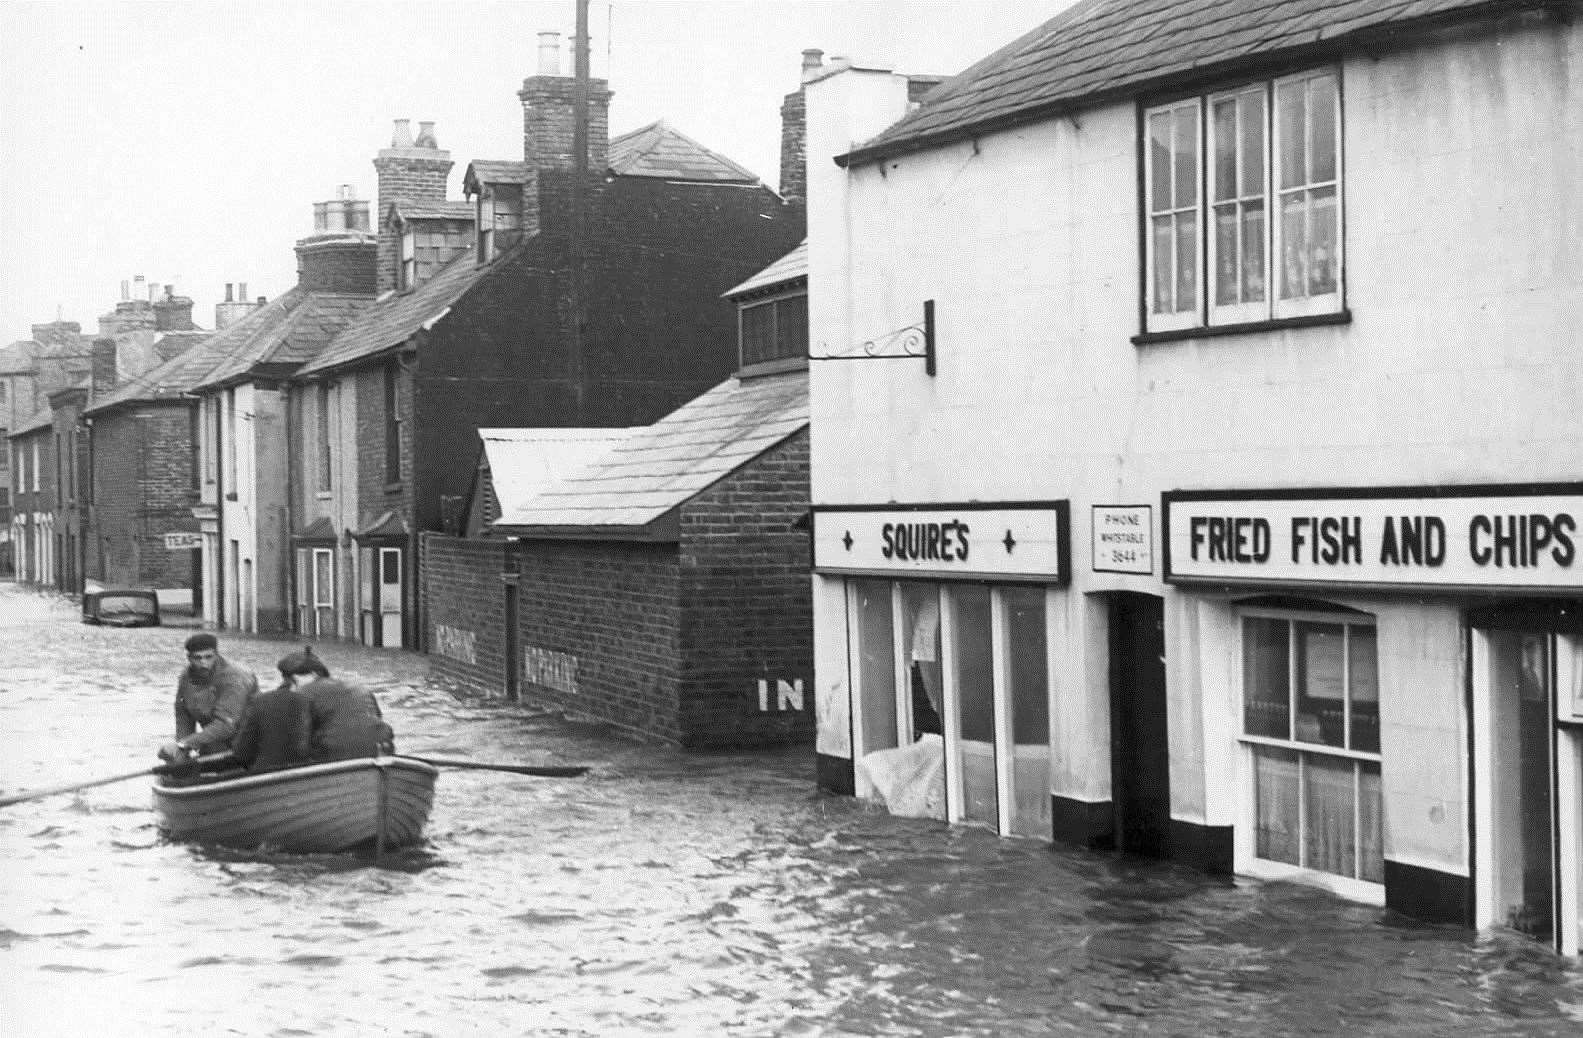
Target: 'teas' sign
[{"x": 1470, "y": 537}]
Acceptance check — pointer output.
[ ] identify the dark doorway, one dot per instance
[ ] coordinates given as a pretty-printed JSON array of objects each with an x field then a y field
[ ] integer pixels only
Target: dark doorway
[
  {"x": 513, "y": 650},
  {"x": 1140, "y": 757}
]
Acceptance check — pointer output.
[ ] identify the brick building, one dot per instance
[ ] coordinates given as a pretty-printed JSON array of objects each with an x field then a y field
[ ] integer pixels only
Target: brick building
[
  {"x": 663, "y": 585},
  {"x": 33, "y": 498},
  {"x": 544, "y": 321}
]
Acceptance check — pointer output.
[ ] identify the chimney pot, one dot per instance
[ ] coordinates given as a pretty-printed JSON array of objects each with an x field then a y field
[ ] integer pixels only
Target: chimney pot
[
  {"x": 549, "y": 53},
  {"x": 228, "y": 287},
  {"x": 261, "y": 300},
  {"x": 426, "y": 136},
  {"x": 153, "y": 291},
  {"x": 402, "y": 137},
  {"x": 812, "y": 60},
  {"x": 241, "y": 292},
  {"x": 126, "y": 290}
]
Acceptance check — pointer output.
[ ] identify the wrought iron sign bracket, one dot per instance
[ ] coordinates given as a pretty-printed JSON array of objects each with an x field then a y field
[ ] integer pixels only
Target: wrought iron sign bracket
[{"x": 915, "y": 340}]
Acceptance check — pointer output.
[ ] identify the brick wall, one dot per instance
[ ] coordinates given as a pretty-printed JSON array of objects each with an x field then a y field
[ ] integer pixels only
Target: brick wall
[
  {"x": 340, "y": 264},
  {"x": 142, "y": 489},
  {"x": 404, "y": 175},
  {"x": 599, "y": 627},
  {"x": 547, "y": 123},
  {"x": 747, "y": 617},
  {"x": 464, "y": 610}
]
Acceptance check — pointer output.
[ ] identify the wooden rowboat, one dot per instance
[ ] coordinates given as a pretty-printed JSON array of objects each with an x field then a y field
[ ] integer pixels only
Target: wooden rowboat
[{"x": 374, "y": 802}]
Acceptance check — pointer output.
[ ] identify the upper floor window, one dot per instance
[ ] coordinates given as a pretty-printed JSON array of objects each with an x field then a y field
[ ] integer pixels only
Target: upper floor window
[
  {"x": 392, "y": 425},
  {"x": 409, "y": 260},
  {"x": 773, "y": 330},
  {"x": 499, "y": 216},
  {"x": 35, "y": 467},
  {"x": 1244, "y": 201},
  {"x": 322, "y": 425}
]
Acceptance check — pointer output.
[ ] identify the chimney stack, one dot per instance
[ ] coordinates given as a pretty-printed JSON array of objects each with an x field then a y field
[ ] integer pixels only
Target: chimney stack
[
  {"x": 173, "y": 313},
  {"x": 235, "y": 307},
  {"x": 57, "y": 333},
  {"x": 103, "y": 366},
  {"x": 409, "y": 170},
  {"x": 341, "y": 255},
  {"x": 794, "y": 132},
  {"x": 548, "y": 115}
]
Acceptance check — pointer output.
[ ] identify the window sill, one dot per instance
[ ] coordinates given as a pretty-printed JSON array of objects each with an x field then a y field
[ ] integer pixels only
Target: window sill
[
  {"x": 1246, "y": 328},
  {"x": 1357, "y": 890},
  {"x": 394, "y": 488},
  {"x": 321, "y": 495}
]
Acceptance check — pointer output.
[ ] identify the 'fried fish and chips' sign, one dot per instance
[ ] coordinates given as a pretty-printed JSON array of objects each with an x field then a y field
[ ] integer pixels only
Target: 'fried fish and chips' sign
[{"x": 1446, "y": 538}]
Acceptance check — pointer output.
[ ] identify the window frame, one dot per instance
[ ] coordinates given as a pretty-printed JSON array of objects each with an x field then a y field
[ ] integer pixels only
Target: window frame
[
  {"x": 772, "y": 302},
  {"x": 1208, "y": 317},
  {"x": 407, "y": 260},
  {"x": 1247, "y": 860},
  {"x": 392, "y": 399},
  {"x": 324, "y": 461}
]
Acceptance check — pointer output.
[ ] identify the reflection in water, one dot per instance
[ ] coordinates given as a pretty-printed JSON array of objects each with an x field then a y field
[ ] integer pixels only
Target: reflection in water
[{"x": 662, "y": 894}]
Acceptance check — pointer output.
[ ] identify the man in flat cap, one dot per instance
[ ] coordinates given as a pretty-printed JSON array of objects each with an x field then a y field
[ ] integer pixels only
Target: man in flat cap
[{"x": 212, "y": 693}]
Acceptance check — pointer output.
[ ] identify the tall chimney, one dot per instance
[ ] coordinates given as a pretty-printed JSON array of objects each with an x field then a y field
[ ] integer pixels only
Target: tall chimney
[
  {"x": 341, "y": 255},
  {"x": 794, "y": 132},
  {"x": 412, "y": 170},
  {"x": 549, "y": 116}
]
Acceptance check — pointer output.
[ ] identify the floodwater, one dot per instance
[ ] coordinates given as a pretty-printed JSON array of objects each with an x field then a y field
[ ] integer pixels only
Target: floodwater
[{"x": 661, "y": 894}]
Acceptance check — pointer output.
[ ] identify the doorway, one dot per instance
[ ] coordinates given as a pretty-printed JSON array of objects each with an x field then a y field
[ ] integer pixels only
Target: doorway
[
  {"x": 1140, "y": 757},
  {"x": 513, "y": 645},
  {"x": 1527, "y": 685}
]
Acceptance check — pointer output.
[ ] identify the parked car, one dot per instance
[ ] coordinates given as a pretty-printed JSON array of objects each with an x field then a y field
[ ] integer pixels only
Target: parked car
[{"x": 121, "y": 607}]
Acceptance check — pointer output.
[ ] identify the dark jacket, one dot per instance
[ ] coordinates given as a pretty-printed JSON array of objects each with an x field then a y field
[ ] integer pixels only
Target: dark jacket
[
  {"x": 275, "y": 731},
  {"x": 346, "y": 722},
  {"x": 213, "y": 705}
]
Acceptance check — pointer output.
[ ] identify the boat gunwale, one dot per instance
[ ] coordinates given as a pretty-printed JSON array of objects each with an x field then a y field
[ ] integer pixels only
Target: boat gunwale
[{"x": 291, "y": 776}]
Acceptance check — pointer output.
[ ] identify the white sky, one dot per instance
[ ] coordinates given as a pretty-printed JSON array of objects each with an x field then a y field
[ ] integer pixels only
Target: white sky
[{"x": 187, "y": 141}]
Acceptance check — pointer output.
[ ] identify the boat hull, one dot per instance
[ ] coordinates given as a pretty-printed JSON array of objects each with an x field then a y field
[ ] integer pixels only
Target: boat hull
[{"x": 379, "y": 802}]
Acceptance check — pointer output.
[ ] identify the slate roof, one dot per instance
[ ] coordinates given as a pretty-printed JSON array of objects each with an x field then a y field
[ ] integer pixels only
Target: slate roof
[
  {"x": 43, "y": 418},
  {"x": 659, "y": 467},
  {"x": 406, "y": 209},
  {"x": 491, "y": 171},
  {"x": 17, "y": 358},
  {"x": 314, "y": 320},
  {"x": 659, "y": 151},
  {"x": 1102, "y": 50},
  {"x": 184, "y": 372},
  {"x": 393, "y": 319},
  {"x": 525, "y": 462},
  {"x": 789, "y": 268}
]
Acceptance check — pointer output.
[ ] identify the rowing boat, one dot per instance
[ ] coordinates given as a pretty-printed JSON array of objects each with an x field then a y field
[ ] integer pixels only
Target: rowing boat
[{"x": 375, "y": 802}]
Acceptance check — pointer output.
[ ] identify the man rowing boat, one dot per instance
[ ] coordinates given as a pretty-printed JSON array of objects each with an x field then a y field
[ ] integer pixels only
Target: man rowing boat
[{"x": 212, "y": 694}]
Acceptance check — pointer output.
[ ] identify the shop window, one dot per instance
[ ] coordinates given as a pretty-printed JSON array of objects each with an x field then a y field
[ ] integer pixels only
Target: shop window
[
  {"x": 1311, "y": 731},
  {"x": 950, "y": 685},
  {"x": 1242, "y": 190}
]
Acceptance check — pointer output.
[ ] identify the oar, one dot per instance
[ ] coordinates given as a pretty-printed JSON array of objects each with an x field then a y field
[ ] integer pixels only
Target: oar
[
  {"x": 163, "y": 769},
  {"x": 541, "y": 770}
]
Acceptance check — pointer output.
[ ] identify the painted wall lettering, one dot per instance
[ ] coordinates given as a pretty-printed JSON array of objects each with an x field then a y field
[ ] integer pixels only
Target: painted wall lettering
[
  {"x": 1445, "y": 538},
  {"x": 456, "y": 644},
  {"x": 788, "y": 695},
  {"x": 557, "y": 670}
]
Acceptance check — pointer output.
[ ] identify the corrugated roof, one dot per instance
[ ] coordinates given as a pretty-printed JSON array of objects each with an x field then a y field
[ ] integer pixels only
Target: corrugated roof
[
  {"x": 1099, "y": 50},
  {"x": 491, "y": 171},
  {"x": 526, "y": 462},
  {"x": 306, "y": 324},
  {"x": 788, "y": 268},
  {"x": 394, "y": 318},
  {"x": 407, "y": 209},
  {"x": 661, "y": 466},
  {"x": 661, "y": 152}
]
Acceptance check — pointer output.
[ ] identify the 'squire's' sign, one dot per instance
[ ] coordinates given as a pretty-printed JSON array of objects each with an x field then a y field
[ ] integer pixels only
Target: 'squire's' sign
[
  {"x": 1028, "y": 541},
  {"x": 1475, "y": 537}
]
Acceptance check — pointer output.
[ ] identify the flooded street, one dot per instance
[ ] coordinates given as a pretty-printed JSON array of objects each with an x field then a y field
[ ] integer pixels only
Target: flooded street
[{"x": 663, "y": 893}]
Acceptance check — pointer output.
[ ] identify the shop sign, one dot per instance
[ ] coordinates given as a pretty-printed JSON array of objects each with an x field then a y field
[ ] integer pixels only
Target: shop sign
[
  {"x": 971, "y": 540},
  {"x": 1469, "y": 537},
  {"x": 183, "y": 541},
  {"x": 1123, "y": 539}
]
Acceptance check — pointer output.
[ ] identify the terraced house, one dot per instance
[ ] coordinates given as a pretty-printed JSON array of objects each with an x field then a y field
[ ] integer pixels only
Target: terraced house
[
  {"x": 539, "y": 320},
  {"x": 1195, "y": 444}
]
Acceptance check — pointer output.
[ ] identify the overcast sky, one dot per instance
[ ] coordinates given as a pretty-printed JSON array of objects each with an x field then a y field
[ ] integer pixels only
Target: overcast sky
[{"x": 187, "y": 142}]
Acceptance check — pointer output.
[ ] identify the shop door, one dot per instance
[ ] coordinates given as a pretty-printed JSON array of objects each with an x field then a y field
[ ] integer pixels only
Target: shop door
[
  {"x": 390, "y": 613},
  {"x": 1514, "y": 703},
  {"x": 1140, "y": 774}
]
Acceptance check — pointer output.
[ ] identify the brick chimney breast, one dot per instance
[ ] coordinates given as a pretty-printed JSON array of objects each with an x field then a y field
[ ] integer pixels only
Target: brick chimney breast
[
  {"x": 341, "y": 255},
  {"x": 794, "y": 132},
  {"x": 410, "y": 170},
  {"x": 104, "y": 367},
  {"x": 173, "y": 313},
  {"x": 548, "y": 122}
]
